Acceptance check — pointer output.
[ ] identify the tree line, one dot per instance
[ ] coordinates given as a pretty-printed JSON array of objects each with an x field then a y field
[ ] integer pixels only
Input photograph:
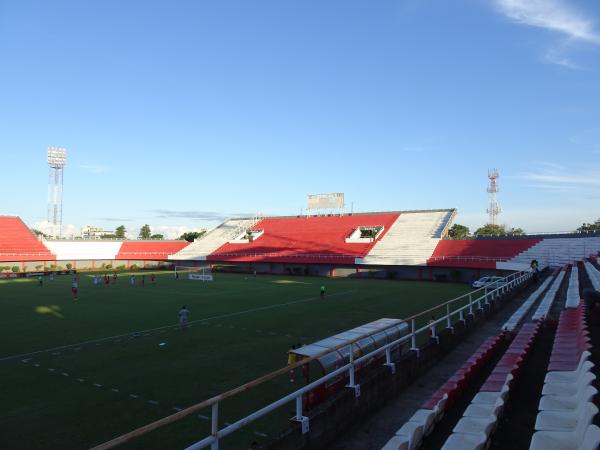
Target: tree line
[
  {"x": 458, "y": 231},
  {"x": 145, "y": 233}
]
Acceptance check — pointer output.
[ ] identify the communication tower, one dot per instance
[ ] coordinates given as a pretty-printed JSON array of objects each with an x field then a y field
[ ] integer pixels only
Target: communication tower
[
  {"x": 494, "y": 208},
  {"x": 57, "y": 158}
]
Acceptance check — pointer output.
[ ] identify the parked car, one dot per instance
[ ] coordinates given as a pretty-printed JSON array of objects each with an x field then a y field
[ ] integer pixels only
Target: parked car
[{"x": 488, "y": 281}]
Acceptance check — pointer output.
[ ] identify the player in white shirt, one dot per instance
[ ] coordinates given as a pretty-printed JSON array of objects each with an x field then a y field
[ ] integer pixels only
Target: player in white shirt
[{"x": 184, "y": 314}]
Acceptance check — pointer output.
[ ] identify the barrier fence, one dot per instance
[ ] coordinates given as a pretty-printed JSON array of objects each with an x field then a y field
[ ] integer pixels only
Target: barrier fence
[{"x": 455, "y": 310}]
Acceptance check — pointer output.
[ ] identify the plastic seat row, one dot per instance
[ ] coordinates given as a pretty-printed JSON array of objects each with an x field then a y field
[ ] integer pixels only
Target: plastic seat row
[
  {"x": 573, "y": 296},
  {"x": 480, "y": 419},
  {"x": 593, "y": 274},
  {"x": 566, "y": 407},
  {"x": 544, "y": 307},
  {"x": 411, "y": 434},
  {"x": 515, "y": 319}
]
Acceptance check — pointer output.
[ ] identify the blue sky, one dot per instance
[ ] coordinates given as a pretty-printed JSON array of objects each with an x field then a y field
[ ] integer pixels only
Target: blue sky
[{"x": 178, "y": 114}]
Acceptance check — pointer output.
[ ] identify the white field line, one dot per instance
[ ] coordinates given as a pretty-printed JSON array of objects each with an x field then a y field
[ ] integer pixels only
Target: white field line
[
  {"x": 136, "y": 396},
  {"x": 175, "y": 326}
]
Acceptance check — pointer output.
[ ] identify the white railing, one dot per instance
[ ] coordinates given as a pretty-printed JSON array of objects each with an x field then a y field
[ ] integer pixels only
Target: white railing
[
  {"x": 469, "y": 258},
  {"x": 475, "y": 301},
  {"x": 19, "y": 254},
  {"x": 279, "y": 255}
]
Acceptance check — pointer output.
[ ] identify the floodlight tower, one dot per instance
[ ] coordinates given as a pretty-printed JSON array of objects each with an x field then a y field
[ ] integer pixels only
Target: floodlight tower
[
  {"x": 494, "y": 208},
  {"x": 57, "y": 158}
]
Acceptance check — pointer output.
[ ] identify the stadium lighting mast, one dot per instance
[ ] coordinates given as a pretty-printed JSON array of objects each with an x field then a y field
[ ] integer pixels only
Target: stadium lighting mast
[
  {"x": 57, "y": 159},
  {"x": 494, "y": 209}
]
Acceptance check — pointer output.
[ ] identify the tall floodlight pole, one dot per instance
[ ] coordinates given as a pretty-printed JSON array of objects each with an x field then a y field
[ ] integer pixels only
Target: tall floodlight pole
[
  {"x": 494, "y": 208},
  {"x": 57, "y": 158}
]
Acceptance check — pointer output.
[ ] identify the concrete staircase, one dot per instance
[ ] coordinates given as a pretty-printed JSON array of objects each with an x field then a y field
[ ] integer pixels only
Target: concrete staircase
[
  {"x": 211, "y": 241},
  {"x": 557, "y": 252},
  {"x": 411, "y": 239}
]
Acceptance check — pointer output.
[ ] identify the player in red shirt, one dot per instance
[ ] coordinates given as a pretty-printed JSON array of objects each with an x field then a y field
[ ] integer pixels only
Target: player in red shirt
[{"x": 74, "y": 288}]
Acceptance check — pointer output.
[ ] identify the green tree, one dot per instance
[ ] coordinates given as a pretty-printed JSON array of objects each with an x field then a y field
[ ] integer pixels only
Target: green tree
[
  {"x": 590, "y": 227},
  {"x": 120, "y": 232},
  {"x": 459, "y": 232},
  {"x": 157, "y": 236},
  {"x": 37, "y": 232},
  {"x": 145, "y": 232},
  {"x": 191, "y": 236},
  {"x": 515, "y": 232},
  {"x": 15, "y": 269},
  {"x": 490, "y": 230}
]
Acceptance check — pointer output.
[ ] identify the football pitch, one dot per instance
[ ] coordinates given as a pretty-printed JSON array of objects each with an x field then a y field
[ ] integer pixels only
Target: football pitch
[{"x": 77, "y": 373}]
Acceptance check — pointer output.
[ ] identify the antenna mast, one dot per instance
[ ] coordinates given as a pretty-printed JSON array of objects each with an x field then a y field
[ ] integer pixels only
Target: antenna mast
[{"x": 494, "y": 208}]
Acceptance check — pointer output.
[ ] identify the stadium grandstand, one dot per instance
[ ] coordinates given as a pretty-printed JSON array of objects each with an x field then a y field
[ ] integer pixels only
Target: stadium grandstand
[
  {"x": 324, "y": 245},
  {"x": 517, "y": 354}
]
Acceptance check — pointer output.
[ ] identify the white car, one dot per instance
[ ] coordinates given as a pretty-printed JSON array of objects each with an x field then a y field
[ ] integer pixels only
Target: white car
[{"x": 488, "y": 282}]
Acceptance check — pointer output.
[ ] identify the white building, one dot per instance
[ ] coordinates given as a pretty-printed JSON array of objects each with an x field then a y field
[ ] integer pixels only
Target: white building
[{"x": 92, "y": 232}]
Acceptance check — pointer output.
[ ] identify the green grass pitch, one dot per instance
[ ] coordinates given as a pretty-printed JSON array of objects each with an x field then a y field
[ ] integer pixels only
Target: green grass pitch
[{"x": 89, "y": 392}]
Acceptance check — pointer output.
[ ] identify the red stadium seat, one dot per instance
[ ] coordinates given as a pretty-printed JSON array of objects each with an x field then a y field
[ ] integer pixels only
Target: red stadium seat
[
  {"x": 305, "y": 240},
  {"x": 17, "y": 243},
  {"x": 478, "y": 253}
]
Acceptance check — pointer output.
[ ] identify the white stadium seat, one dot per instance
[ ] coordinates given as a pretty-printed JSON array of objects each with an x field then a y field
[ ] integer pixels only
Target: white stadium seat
[
  {"x": 564, "y": 420},
  {"x": 567, "y": 402},
  {"x": 569, "y": 388},
  {"x": 565, "y": 440},
  {"x": 465, "y": 441},
  {"x": 413, "y": 431}
]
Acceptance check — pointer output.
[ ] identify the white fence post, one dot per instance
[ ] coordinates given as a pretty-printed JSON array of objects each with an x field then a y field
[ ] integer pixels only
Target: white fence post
[
  {"x": 215, "y": 425},
  {"x": 351, "y": 384},
  {"x": 448, "y": 321},
  {"x": 388, "y": 360},
  {"x": 413, "y": 339},
  {"x": 299, "y": 408}
]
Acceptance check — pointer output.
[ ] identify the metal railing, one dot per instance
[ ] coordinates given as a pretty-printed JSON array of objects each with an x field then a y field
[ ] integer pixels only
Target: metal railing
[
  {"x": 280, "y": 255},
  {"x": 475, "y": 300},
  {"x": 469, "y": 258}
]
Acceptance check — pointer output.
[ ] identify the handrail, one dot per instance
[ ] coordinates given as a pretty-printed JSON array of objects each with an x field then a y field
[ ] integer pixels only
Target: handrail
[
  {"x": 468, "y": 258},
  {"x": 510, "y": 281}
]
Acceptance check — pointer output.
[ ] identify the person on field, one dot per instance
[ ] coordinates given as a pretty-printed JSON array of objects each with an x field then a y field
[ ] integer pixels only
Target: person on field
[
  {"x": 114, "y": 278},
  {"x": 143, "y": 280},
  {"x": 184, "y": 315},
  {"x": 132, "y": 280},
  {"x": 432, "y": 326},
  {"x": 74, "y": 288},
  {"x": 322, "y": 291},
  {"x": 152, "y": 278},
  {"x": 292, "y": 359},
  {"x": 40, "y": 281}
]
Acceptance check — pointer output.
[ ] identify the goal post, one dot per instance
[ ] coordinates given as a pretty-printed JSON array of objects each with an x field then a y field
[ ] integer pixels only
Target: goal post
[{"x": 200, "y": 273}]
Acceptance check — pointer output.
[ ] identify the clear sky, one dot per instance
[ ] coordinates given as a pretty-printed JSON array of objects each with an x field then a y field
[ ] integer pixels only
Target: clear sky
[{"x": 179, "y": 114}]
